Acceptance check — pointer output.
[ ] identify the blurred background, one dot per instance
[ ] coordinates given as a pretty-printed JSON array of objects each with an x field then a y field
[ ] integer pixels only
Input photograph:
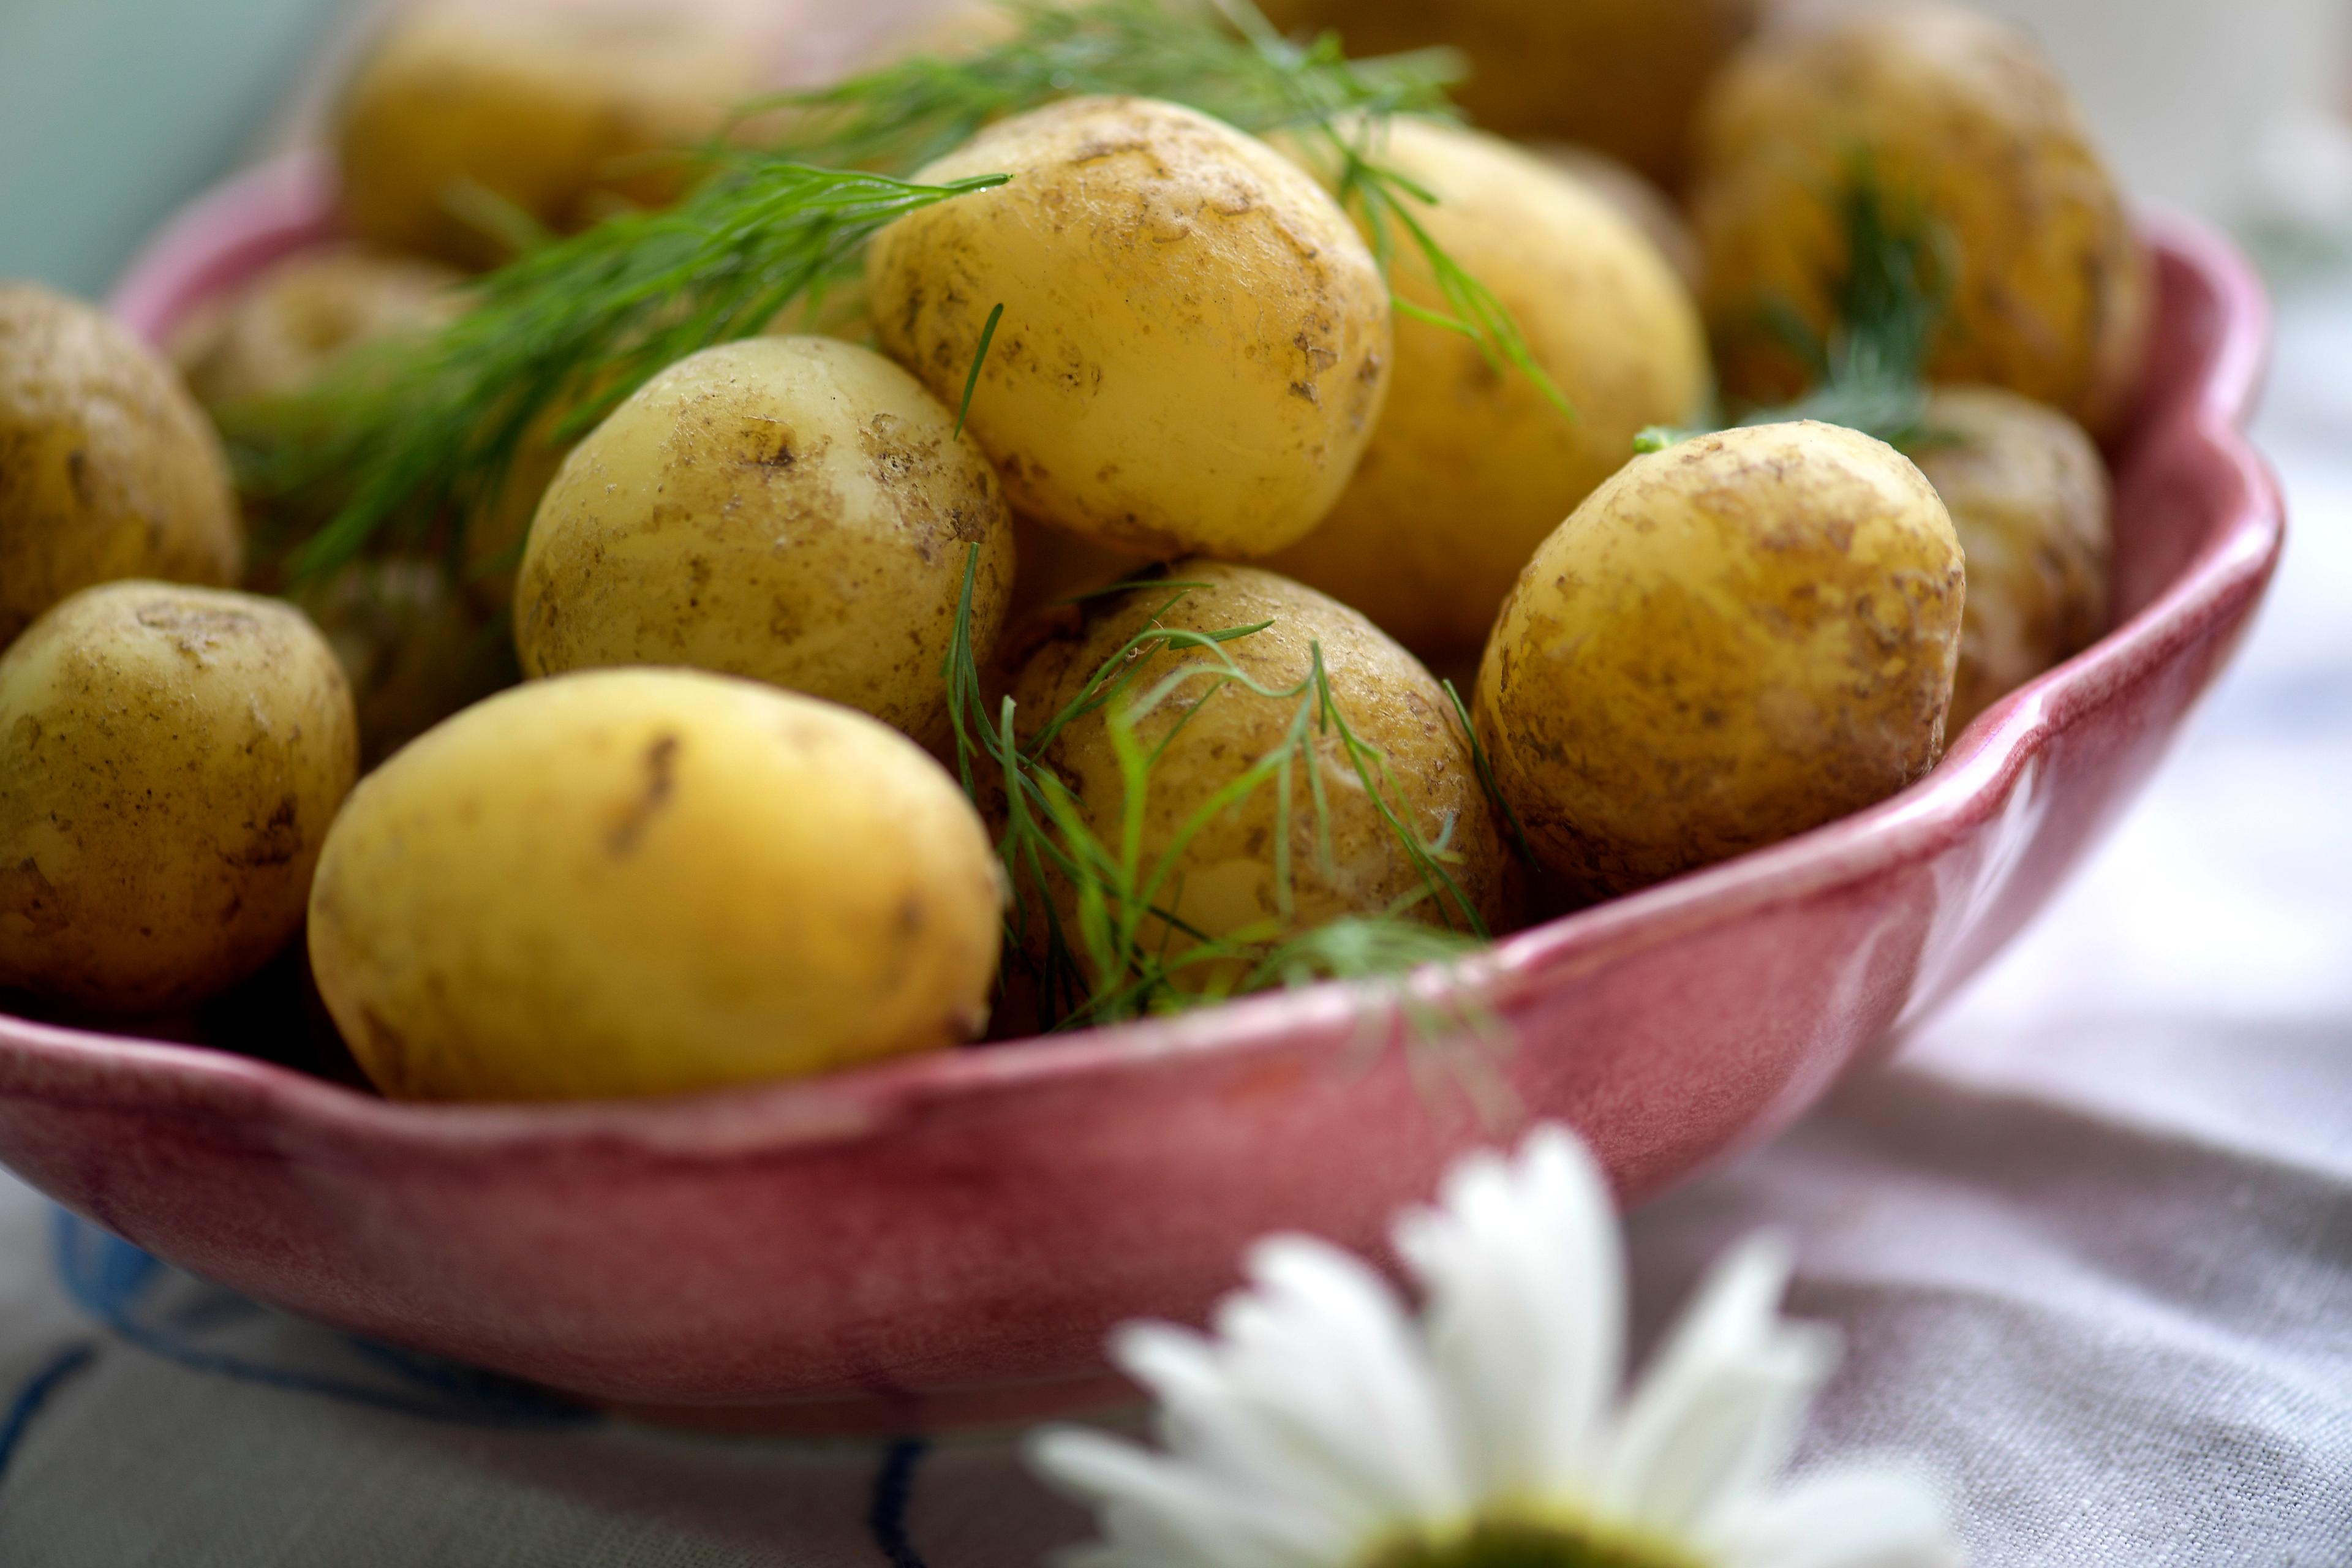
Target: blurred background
[{"x": 113, "y": 112}]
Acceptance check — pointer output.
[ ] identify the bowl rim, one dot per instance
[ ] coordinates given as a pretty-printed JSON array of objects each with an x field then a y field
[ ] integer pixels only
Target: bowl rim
[{"x": 217, "y": 235}]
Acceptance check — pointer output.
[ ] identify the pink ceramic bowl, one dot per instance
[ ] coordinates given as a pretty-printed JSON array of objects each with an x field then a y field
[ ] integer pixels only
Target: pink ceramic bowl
[{"x": 948, "y": 1237}]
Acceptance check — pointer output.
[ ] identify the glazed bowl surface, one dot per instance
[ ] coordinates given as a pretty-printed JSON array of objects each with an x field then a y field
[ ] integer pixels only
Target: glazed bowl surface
[{"x": 948, "y": 1237}]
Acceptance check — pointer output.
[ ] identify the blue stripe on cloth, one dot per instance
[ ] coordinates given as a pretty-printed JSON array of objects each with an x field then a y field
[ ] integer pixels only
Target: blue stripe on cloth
[
  {"x": 894, "y": 1491},
  {"x": 112, "y": 1281},
  {"x": 35, "y": 1393}
]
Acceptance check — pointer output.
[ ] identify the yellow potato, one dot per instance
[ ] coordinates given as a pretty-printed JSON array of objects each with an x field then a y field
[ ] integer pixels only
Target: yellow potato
[
  {"x": 1733, "y": 640},
  {"x": 796, "y": 510},
  {"x": 1472, "y": 466},
  {"x": 1960, "y": 114},
  {"x": 2028, "y": 495},
  {"x": 1637, "y": 197},
  {"x": 1623, "y": 76},
  {"x": 564, "y": 111},
  {"x": 278, "y": 334},
  {"x": 169, "y": 758},
  {"x": 1227, "y": 882},
  {"x": 413, "y": 648},
  {"x": 643, "y": 882},
  {"x": 107, "y": 469},
  {"x": 1194, "y": 343}
]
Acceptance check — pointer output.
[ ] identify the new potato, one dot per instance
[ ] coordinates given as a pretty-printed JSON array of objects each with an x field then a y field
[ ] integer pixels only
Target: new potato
[
  {"x": 2028, "y": 495},
  {"x": 1734, "y": 641},
  {"x": 1471, "y": 464},
  {"x": 796, "y": 510},
  {"x": 1623, "y": 76},
  {"x": 107, "y": 469},
  {"x": 647, "y": 882},
  {"x": 1226, "y": 880},
  {"x": 169, "y": 758},
  {"x": 294, "y": 322},
  {"x": 412, "y": 645},
  {"x": 1960, "y": 114},
  {"x": 561, "y": 112},
  {"x": 1195, "y": 341}
]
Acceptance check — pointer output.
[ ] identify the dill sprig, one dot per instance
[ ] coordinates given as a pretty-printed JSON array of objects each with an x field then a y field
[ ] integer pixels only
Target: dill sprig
[
  {"x": 1887, "y": 302},
  {"x": 411, "y": 439},
  {"x": 1122, "y": 950},
  {"x": 423, "y": 432}
]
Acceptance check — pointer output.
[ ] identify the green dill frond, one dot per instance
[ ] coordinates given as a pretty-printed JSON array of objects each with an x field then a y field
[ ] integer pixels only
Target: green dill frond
[
  {"x": 418, "y": 433},
  {"x": 1093, "y": 915},
  {"x": 1887, "y": 302},
  {"x": 407, "y": 442}
]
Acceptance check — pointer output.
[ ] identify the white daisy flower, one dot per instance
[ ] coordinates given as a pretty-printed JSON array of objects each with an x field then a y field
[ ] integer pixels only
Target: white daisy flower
[{"x": 1321, "y": 1427}]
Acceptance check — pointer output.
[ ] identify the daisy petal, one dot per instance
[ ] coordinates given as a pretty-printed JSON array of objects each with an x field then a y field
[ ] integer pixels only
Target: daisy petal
[
  {"x": 1855, "y": 1516},
  {"x": 1158, "y": 1513},
  {"x": 1231, "y": 1428},
  {"x": 1524, "y": 1274},
  {"x": 1719, "y": 1411},
  {"x": 1323, "y": 1341}
]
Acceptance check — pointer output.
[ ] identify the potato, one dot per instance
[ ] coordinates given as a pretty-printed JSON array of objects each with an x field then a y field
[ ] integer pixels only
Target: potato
[
  {"x": 1960, "y": 114},
  {"x": 1623, "y": 76},
  {"x": 1194, "y": 344},
  {"x": 1733, "y": 640},
  {"x": 169, "y": 758},
  {"x": 796, "y": 510},
  {"x": 1471, "y": 466},
  {"x": 107, "y": 469},
  {"x": 413, "y": 648},
  {"x": 635, "y": 882},
  {"x": 283, "y": 331},
  {"x": 2028, "y": 495},
  {"x": 561, "y": 110},
  {"x": 1637, "y": 197},
  {"x": 1227, "y": 882}
]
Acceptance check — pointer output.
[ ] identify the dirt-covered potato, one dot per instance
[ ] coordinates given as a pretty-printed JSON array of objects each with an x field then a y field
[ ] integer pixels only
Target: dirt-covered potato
[
  {"x": 277, "y": 335},
  {"x": 633, "y": 882},
  {"x": 1957, "y": 114},
  {"x": 1623, "y": 76},
  {"x": 2029, "y": 498},
  {"x": 1226, "y": 880},
  {"x": 414, "y": 648},
  {"x": 1473, "y": 465},
  {"x": 169, "y": 758},
  {"x": 1733, "y": 640},
  {"x": 1194, "y": 343},
  {"x": 796, "y": 510},
  {"x": 563, "y": 111},
  {"x": 107, "y": 469}
]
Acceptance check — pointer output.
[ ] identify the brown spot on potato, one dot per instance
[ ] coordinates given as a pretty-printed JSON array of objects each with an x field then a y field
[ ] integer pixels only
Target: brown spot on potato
[{"x": 660, "y": 781}]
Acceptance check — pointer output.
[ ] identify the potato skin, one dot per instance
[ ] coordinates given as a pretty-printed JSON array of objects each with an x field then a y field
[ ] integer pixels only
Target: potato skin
[
  {"x": 1734, "y": 641},
  {"x": 1961, "y": 113},
  {"x": 1195, "y": 341},
  {"x": 282, "y": 331},
  {"x": 107, "y": 469},
  {"x": 649, "y": 881},
  {"x": 1390, "y": 700},
  {"x": 551, "y": 107},
  {"x": 1623, "y": 76},
  {"x": 795, "y": 509},
  {"x": 1471, "y": 467},
  {"x": 412, "y": 645},
  {"x": 2029, "y": 498},
  {"x": 169, "y": 758}
]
